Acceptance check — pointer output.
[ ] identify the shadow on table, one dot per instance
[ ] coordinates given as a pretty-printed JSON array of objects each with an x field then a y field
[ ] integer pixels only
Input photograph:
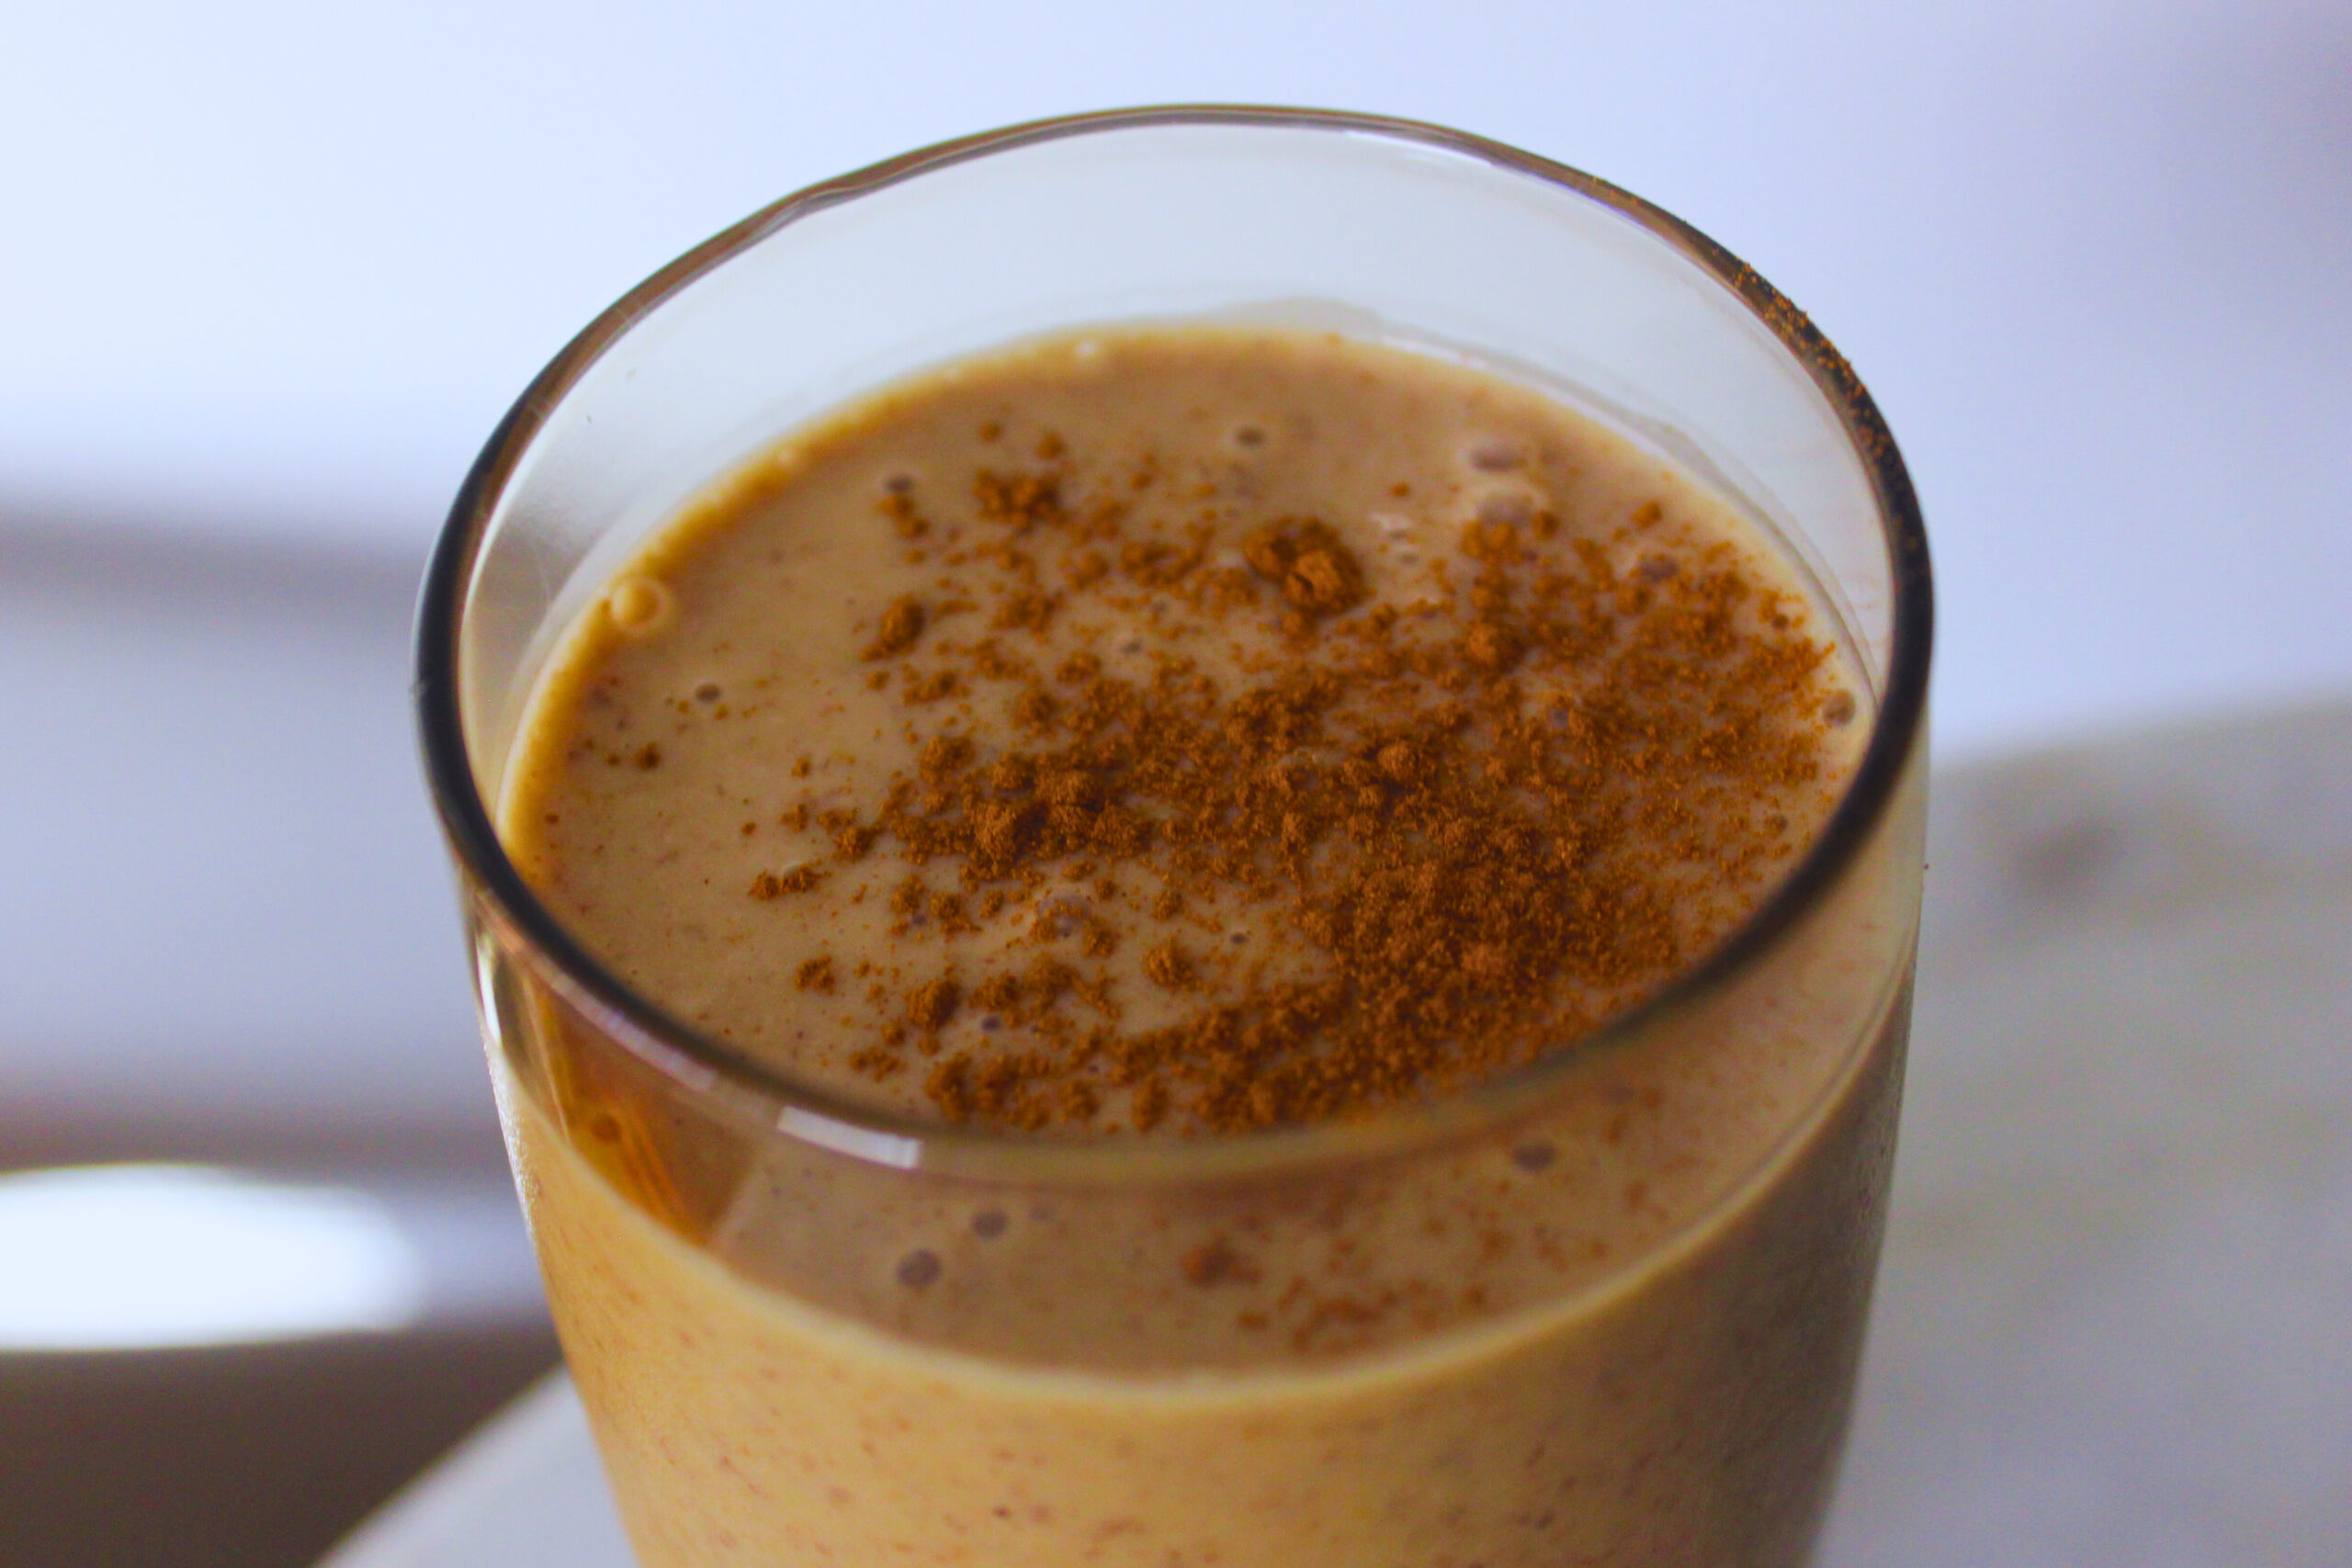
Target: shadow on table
[{"x": 251, "y": 1455}]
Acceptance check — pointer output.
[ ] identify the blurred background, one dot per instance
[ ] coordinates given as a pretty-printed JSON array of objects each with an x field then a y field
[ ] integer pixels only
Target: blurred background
[{"x": 272, "y": 271}]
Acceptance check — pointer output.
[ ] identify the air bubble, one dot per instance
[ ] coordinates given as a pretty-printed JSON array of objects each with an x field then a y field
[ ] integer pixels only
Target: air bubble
[
  {"x": 1493, "y": 455},
  {"x": 639, "y": 604}
]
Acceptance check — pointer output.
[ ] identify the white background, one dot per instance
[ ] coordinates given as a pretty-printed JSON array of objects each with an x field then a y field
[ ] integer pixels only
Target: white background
[
  {"x": 284, "y": 264},
  {"x": 270, "y": 272}
]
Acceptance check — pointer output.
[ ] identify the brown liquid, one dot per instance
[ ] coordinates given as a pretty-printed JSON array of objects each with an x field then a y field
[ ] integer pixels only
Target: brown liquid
[{"x": 1622, "y": 1327}]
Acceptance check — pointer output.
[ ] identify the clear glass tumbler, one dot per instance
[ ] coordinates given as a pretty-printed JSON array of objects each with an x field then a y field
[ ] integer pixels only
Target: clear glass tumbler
[{"x": 1607, "y": 1309}]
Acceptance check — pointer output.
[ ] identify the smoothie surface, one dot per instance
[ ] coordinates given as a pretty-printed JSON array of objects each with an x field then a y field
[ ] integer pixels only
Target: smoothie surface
[{"x": 1182, "y": 730}]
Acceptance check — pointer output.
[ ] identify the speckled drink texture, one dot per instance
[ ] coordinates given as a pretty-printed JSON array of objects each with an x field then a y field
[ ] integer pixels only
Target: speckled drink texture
[{"x": 1620, "y": 1327}]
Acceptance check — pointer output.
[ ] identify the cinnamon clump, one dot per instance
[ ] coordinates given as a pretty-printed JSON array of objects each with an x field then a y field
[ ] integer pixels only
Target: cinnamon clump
[
  {"x": 902, "y": 623},
  {"x": 769, "y": 885},
  {"x": 1304, "y": 559}
]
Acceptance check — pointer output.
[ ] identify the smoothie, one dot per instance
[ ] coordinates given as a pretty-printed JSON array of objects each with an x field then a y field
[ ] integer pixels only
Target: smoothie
[{"x": 1172, "y": 737}]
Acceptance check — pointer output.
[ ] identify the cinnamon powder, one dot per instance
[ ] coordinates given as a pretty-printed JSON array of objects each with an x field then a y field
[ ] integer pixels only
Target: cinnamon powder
[{"x": 1493, "y": 815}]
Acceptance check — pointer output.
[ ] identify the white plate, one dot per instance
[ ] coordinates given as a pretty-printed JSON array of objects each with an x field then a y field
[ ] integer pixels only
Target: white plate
[{"x": 2113, "y": 1322}]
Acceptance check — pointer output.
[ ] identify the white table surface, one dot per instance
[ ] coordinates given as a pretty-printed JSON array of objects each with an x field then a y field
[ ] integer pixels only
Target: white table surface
[{"x": 2112, "y": 1324}]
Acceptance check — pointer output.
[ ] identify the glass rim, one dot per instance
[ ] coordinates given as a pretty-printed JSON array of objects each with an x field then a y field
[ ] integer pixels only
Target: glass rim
[{"x": 699, "y": 1065}]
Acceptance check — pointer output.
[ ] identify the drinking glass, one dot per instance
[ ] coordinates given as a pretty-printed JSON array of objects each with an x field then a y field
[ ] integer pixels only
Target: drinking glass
[{"x": 1607, "y": 1308}]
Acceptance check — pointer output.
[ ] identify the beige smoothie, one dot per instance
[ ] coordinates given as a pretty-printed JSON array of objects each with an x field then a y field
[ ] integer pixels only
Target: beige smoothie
[{"x": 1175, "y": 741}]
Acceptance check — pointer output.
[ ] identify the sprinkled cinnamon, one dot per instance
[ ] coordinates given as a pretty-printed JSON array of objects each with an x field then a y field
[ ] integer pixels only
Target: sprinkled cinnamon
[
  {"x": 769, "y": 885},
  {"x": 902, "y": 623},
  {"x": 1215, "y": 817},
  {"x": 1484, "y": 864}
]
